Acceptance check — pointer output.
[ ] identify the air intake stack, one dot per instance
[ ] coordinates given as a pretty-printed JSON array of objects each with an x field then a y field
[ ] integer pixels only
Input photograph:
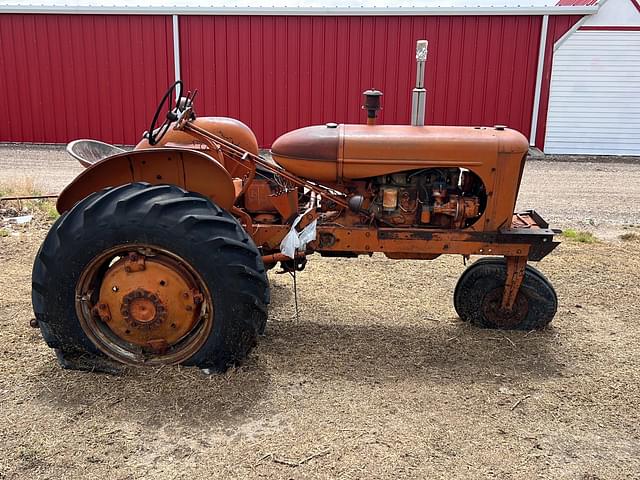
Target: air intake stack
[{"x": 372, "y": 105}]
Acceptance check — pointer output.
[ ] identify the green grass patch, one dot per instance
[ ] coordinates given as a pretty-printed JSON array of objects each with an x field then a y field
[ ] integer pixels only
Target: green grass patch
[
  {"x": 579, "y": 236},
  {"x": 25, "y": 186},
  {"x": 47, "y": 207},
  {"x": 4, "y": 232}
]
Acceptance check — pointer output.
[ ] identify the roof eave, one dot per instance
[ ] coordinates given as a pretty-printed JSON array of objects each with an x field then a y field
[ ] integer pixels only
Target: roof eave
[{"x": 134, "y": 10}]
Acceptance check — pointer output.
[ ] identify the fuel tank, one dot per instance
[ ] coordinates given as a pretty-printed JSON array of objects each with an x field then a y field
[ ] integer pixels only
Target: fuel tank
[
  {"x": 230, "y": 129},
  {"x": 335, "y": 153}
]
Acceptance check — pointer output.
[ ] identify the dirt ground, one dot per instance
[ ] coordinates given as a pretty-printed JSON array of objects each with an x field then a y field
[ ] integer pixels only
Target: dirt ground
[{"x": 377, "y": 378}]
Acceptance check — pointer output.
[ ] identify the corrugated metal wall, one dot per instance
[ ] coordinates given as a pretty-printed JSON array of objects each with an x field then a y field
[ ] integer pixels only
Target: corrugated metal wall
[
  {"x": 73, "y": 76},
  {"x": 594, "y": 106},
  {"x": 280, "y": 73}
]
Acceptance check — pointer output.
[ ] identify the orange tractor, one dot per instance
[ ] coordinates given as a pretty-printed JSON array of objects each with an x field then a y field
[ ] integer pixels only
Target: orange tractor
[{"x": 160, "y": 253}]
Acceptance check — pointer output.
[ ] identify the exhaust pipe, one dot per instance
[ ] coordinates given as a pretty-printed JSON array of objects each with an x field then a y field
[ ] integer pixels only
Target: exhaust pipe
[{"x": 419, "y": 99}]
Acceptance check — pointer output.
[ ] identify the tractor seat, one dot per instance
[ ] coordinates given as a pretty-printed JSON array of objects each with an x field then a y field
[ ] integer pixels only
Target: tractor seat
[{"x": 88, "y": 152}]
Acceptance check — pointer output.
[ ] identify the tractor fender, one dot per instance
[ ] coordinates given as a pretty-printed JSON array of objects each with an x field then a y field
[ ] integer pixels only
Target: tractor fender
[{"x": 190, "y": 169}]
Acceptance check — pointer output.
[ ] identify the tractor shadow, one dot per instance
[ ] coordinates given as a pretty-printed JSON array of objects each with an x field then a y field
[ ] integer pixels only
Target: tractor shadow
[
  {"x": 450, "y": 352},
  {"x": 381, "y": 348}
]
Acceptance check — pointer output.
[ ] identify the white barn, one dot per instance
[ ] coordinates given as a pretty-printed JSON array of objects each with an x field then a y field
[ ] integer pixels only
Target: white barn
[{"x": 594, "y": 102}]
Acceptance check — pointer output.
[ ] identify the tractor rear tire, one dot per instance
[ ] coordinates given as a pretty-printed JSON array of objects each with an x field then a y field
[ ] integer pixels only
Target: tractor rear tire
[
  {"x": 197, "y": 236},
  {"x": 479, "y": 291}
]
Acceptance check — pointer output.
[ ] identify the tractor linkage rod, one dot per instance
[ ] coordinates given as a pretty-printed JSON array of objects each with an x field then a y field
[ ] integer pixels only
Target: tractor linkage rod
[
  {"x": 243, "y": 155},
  {"x": 29, "y": 197}
]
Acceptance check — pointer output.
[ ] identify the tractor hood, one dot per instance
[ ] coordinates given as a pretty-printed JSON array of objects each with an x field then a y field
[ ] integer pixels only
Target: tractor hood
[{"x": 334, "y": 153}]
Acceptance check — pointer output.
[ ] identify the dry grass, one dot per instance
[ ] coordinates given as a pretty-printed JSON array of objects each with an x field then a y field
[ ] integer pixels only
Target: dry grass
[
  {"x": 630, "y": 236},
  {"x": 17, "y": 186},
  {"x": 377, "y": 379},
  {"x": 43, "y": 209}
]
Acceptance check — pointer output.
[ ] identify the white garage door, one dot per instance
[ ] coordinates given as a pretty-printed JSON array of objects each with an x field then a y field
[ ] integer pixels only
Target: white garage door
[{"x": 594, "y": 103}]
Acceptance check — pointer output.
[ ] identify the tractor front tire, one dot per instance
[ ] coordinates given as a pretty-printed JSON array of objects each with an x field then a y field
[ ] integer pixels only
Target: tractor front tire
[
  {"x": 200, "y": 300},
  {"x": 478, "y": 294}
]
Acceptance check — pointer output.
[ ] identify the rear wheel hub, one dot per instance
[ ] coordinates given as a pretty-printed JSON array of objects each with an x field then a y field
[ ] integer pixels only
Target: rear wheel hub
[
  {"x": 150, "y": 308},
  {"x": 143, "y": 309}
]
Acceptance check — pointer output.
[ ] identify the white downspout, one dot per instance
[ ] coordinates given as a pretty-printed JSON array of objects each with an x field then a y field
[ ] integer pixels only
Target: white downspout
[
  {"x": 538, "y": 90},
  {"x": 176, "y": 48}
]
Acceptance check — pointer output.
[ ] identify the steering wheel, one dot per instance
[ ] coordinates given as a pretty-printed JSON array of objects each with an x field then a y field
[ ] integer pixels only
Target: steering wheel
[{"x": 155, "y": 134}]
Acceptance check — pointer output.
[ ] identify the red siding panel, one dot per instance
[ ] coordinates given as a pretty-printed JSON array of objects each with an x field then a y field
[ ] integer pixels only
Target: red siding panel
[
  {"x": 558, "y": 26},
  {"x": 72, "y": 76},
  {"x": 281, "y": 73}
]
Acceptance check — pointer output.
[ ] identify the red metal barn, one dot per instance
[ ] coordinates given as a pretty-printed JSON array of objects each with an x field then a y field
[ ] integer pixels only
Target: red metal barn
[{"x": 94, "y": 69}]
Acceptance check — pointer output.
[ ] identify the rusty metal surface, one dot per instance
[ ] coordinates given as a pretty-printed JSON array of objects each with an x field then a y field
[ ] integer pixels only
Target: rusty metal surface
[
  {"x": 230, "y": 129},
  {"x": 140, "y": 304},
  {"x": 250, "y": 161},
  {"x": 515, "y": 275},
  {"x": 257, "y": 197},
  {"x": 330, "y": 162},
  {"x": 495, "y": 156},
  {"x": 28, "y": 197},
  {"x": 318, "y": 143},
  {"x": 189, "y": 169},
  {"x": 152, "y": 301},
  {"x": 365, "y": 240},
  {"x": 367, "y": 151},
  {"x": 279, "y": 257}
]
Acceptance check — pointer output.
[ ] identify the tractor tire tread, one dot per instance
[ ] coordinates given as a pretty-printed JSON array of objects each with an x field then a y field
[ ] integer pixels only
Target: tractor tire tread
[
  {"x": 231, "y": 265},
  {"x": 487, "y": 274}
]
